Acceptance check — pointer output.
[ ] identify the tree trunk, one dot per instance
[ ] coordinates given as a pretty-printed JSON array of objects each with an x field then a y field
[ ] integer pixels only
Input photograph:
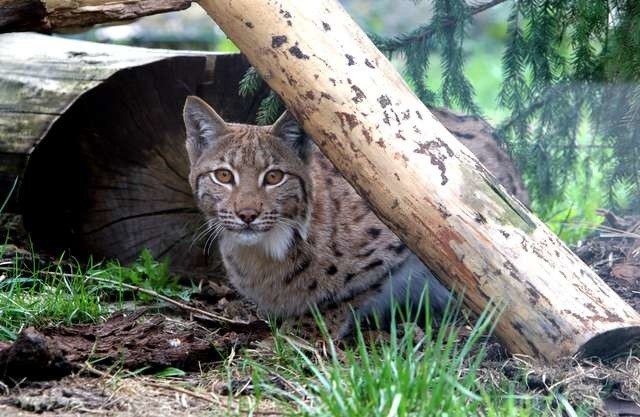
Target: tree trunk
[
  {"x": 55, "y": 15},
  {"x": 423, "y": 184}
]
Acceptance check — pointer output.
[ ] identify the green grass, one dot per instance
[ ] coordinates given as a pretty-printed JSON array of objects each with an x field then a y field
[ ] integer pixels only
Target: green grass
[
  {"x": 64, "y": 292},
  {"x": 28, "y": 301},
  {"x": 413, "y": 373}
]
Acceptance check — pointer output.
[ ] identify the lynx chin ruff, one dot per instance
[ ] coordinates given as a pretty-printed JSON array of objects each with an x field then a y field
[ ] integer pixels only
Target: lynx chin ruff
[{"x": 292, "y": 232}]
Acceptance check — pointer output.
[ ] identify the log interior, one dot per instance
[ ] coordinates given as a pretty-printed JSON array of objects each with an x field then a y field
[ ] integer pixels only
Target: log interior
[{"x": 110, "y": 177}]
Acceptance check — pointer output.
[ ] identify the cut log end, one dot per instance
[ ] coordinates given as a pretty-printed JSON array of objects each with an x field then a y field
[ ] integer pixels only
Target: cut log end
[{"x": 611, "y": 344}]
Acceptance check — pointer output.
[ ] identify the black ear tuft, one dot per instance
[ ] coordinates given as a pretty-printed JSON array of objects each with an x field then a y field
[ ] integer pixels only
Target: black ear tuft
[
  {"x": 288, "y": 129},
  {"x": 203, "y": 126}
]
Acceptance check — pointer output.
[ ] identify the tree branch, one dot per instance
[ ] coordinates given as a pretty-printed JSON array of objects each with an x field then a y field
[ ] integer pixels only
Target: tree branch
[{"x": 389, "y": 45}]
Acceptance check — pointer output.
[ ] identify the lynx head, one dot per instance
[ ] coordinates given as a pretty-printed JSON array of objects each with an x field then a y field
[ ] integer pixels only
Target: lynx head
[{"x": 251, "y": 182}]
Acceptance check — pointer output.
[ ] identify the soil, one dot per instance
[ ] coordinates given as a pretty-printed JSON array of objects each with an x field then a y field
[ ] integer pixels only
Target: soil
[
  {"x": 613, "y": 252},
  {"x": 108, "y": 368}
]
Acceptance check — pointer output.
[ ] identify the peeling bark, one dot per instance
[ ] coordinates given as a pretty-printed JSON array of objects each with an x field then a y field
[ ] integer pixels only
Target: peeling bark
[
  {"x": 422, "y": 183},
  {"x": 55, "y": 15}
]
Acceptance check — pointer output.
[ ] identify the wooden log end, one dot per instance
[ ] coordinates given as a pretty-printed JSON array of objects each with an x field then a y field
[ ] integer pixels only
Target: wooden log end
[{"x": 611, "y": 343}]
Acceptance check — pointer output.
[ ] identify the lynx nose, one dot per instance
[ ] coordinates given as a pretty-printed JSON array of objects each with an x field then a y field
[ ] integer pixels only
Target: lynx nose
[{"x": 247, "y": 215}]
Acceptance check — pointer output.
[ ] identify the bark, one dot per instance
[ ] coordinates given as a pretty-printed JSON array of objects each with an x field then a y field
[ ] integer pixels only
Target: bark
[
  {"x": 55, "y": 15},
  {"x": 422, "y": 183}
]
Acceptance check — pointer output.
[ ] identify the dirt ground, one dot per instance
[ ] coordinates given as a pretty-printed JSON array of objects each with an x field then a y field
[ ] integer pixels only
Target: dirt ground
[{"x": 108, "y": 368}]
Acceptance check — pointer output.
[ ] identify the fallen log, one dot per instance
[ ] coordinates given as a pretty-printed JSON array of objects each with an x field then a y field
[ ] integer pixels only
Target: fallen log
[
  {"x": 56, "y": 15},
  {"x": 93, "y": 133},
  {"x": 95, "y": 137},
  {"x": 423, "y": 184}
]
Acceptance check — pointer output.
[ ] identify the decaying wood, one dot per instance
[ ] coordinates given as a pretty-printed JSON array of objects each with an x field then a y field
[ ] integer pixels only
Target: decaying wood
[
  {"x": 427, "y": 187},
  {"x": 42, "y": 76},
  {"x": 56, "y": 15}
]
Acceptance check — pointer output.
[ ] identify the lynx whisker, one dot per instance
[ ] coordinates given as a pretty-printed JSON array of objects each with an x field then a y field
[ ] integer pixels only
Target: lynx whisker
[
  {"x": 201, "y": 231},
  {"x": 212, "y": 238}
]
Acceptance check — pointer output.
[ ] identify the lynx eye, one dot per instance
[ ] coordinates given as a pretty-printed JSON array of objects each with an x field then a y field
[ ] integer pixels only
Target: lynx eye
[
  {"x": 223, "y": 175},
  {"x": 273, "y": 177}
]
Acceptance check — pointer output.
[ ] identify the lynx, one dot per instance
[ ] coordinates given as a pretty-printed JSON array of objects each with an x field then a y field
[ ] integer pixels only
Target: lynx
[{"x": 292, "y": 232}]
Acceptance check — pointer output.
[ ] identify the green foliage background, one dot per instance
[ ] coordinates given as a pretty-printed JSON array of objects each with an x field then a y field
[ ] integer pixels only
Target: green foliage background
[{"x": 568, "y": 89}]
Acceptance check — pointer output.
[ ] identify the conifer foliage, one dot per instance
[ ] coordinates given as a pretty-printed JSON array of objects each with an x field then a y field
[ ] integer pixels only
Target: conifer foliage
[{"x": 566, "y": 64}]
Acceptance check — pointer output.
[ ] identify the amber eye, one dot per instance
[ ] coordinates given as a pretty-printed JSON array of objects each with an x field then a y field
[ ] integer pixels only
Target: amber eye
[
  {"x": 273, "y": 177},
  {"x": 224, "y": 176}
]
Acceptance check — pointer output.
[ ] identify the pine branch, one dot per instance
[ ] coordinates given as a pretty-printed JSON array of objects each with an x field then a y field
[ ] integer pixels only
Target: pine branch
[
  {"x": 270, "y": 108},
  {"x": 250, "y": 83},
  {"x": 451, "y": 18},
  {"x": 391, "y": 45}
]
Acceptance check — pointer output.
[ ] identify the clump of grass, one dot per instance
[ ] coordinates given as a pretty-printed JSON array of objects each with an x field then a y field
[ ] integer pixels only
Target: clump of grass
[
  {"x": 65, "y": 292},
  {"x": 434, "y": 372},
  {"x": 147, "y": 273},
  {"x": 46, "y": 296}
]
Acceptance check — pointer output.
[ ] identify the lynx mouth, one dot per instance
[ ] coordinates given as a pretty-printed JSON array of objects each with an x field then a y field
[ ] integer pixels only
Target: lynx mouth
[
  {"x": 248, "y": 235},
  {"x": 274, "y": 242},
  {"x": 250, "y": 229}
]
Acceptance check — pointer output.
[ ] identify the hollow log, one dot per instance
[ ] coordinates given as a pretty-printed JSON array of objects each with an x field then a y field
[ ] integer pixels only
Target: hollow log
[
  {"x": 56, "y": 15},
  {"x": 95, "y": 136},
  {"x": 423, "y": 184}
]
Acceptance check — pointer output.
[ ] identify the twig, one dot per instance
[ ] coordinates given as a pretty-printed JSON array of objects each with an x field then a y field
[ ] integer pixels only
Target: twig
[
  {"x": 207, "y": 314},
  {"x": 180, "y": 390},
  {"x": 614, "y": 232},
  {"x": 204, "y": 397},
  {"x": 90, "y": 411}
]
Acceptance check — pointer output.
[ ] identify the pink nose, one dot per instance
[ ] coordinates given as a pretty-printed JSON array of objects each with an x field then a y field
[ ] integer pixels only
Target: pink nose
[{"x": 247, "y": 215}]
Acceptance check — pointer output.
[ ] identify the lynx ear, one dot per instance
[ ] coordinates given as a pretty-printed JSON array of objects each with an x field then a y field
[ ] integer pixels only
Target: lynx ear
[
  {"x": 203, "y": 126},
  {"x": 292, "y": 135}
]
